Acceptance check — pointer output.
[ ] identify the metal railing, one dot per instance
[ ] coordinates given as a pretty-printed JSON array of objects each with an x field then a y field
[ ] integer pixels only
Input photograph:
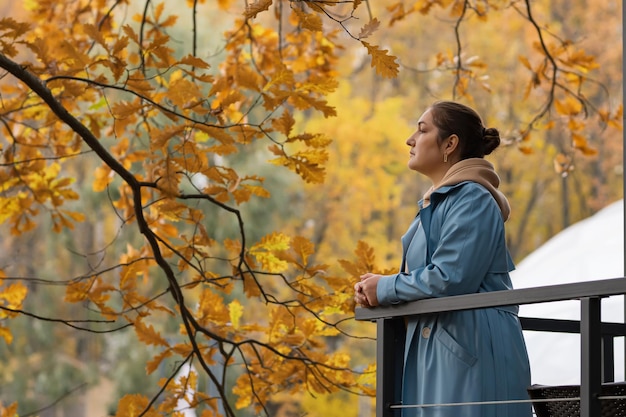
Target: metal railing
[{"x": 596, "y": 356}]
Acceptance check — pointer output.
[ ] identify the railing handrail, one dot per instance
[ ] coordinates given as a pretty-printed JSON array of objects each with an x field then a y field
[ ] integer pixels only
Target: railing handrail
[{"x": 534, "y": 295}]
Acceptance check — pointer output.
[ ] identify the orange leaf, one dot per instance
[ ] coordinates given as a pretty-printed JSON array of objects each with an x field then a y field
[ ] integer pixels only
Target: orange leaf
[
  {"x": 154, "y": 363},
  {"x": 10, "y": 411},
  {"x": 524, "y": 61},
  {"x": 148, "y": 335},
  {"x": 252, "y": 10},
  {"x": 568, "y": 107},
  {"x": 284, "y": 124},
  {"x": 134, "y": 406},
  {"x": 385, "y": 65},
  {"x": 526, "y": 150},
  {"x": 310, "y": 21},
  {"x": 5, "y": 334},
  {"x": 369, "y": 28},
  {"x": 194, "y": 62}
]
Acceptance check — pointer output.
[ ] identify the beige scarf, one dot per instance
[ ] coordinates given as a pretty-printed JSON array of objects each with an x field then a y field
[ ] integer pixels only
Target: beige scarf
[{"x": 477, "y": 170}]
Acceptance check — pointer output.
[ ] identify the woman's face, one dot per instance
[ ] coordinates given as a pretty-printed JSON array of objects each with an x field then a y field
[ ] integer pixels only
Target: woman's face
[{"x": 426, "y": 154}]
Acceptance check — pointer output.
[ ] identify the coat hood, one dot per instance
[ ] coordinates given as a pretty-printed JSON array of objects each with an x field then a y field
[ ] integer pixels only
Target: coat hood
[{"x": 477, "y": 170}]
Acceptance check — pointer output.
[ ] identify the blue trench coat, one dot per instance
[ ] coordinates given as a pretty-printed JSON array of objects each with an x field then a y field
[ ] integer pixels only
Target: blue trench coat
[{"x": 456, "y": 245}]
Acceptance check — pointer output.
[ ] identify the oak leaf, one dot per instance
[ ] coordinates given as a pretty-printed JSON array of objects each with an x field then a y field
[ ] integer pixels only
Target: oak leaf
[
  {"x": 5, "y": 333},
  {"x": 308, "y": 21},
  {"x": 252, "y": 10},
  {"x": 134, "y": 405},
  {"x": 235, "y": 310},
  {"x": 568, "y": 107},
  {"x": 194, "y": 61},
  {"x": 154, "y": 363},
  {"x": 10, "y": 411},
  {"x": 12, "y": 296},
  {"x": 369, "y": 28},
  {"x": 265, "y": 251},
  {"x": 385, "y": 65},
  {"x": 148, "y": 335},
  {"x": 284, "y": 123},
  {"x": 282, "y": 76}
]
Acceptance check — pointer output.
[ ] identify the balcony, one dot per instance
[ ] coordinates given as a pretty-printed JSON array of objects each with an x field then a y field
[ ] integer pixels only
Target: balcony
[{"x": 597, "y": 355}]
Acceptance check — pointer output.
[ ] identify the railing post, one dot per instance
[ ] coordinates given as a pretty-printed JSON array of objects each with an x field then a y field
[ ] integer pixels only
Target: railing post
[
  {"x": 608, "y": 358},
  {"x": 390, "y": 335},
  {"x": 591, "y": 360}
]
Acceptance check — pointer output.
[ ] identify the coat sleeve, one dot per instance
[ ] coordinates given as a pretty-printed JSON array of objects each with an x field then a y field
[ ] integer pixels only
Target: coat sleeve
[{"x": 471, "y": 230}]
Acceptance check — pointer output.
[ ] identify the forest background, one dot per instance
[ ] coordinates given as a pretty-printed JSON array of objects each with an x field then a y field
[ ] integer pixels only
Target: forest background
[{"x": 200, "y": 183}]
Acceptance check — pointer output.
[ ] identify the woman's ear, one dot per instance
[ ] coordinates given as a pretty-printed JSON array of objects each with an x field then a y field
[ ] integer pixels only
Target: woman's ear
[{"x": 451, "y": 144}]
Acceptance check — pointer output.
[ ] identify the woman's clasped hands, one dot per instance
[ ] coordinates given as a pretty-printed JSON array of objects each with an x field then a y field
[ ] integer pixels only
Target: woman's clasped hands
[{"x": 365, "y": 290}]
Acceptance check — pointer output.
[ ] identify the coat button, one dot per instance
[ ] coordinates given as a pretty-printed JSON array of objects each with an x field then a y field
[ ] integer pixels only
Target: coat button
[{"x": 426, "y": 332}]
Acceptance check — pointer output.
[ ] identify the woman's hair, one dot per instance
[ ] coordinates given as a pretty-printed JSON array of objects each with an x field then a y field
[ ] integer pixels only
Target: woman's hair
[{"x": 475, "y": 141}]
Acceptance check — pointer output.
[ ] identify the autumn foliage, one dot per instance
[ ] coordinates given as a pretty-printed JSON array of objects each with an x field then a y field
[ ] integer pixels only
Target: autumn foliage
[{"x": 132, "y": 101}]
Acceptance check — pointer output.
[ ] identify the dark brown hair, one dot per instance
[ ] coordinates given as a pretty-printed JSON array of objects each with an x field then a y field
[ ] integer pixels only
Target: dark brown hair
[{"x": 475, "y": 141}]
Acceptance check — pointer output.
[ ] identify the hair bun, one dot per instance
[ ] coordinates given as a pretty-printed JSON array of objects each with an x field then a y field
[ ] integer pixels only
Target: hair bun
[{"x": 491, "y": 137}]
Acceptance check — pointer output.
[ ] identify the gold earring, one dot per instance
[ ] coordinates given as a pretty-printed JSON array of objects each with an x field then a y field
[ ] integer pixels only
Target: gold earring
[{"x": 445, "y": 157}]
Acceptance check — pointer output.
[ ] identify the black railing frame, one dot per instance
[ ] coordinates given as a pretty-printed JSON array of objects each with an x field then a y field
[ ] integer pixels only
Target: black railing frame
[{"x": 390, "y": 333}]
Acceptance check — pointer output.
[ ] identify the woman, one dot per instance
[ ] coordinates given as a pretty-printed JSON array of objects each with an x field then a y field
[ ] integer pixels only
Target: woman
[{"x": 456, "y": 245}]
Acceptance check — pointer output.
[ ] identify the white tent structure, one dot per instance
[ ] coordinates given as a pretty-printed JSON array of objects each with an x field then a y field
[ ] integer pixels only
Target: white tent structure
[{"x": 591, "y": 249}]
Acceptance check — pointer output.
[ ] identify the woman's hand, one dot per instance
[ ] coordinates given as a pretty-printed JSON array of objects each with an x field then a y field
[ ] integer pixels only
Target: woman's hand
[{"x": 365, "y": 290}]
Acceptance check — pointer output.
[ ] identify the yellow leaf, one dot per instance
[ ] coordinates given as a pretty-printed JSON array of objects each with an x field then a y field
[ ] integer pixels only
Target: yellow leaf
[
  {"x": 130, "y": 32},
  {"x": 257, "y": 190},
  {"x": 568, "y": 107},
  {"x": 282, "y": 76},
  {"x": 217, "y": 133},
  {"x": 168, "y": 177},
  {"x": 369, "y": 28},
  {"x": 224, "y": 4},
  {"x": 368, "y": 376},
  {"x": 252, "y": 10},
  {"x": 158, "y": 11},
  {"x": 524, "y": 61},
  {"x": 13, "y": 295},
  {"x": 5, "y": 333},
  {"x": 183, "y": 93},
  {"x": 148, "y": 335},
  {"x": 562, "y": 164},
  {"x": 250, "y": 286},
  {"x": 458, "y": 8},
  {"x": 526, "y": 150},
  {"x": 154, "y": 363},
  {"x": 284, "y": 123},
  {"x": 10, "y": 411},
  {"x": 273, "y": 241},
  {"x": 319, "y": 140},
  {"x": 303, "y": 247},
  {"x": 134, "y": 405},
  {"x": 265, "y": 251},
  {"x": 385, "y": 65},
  {"x": 588, "y": 151},
  {"x": 233, "y": 246},
  {"x": 78, "y": 290},
  {"x": 95, "y": 34},
  {"x": 235, "y": 310},
  {"x": 243, "y": 391},
  {"x": 247, "y": 77},
  {"x": 579, "y": 141},
  {"x": 194, "y": 62},
  {"x": 212, "y": 308},
  {"x": 310, "y": 21}
]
